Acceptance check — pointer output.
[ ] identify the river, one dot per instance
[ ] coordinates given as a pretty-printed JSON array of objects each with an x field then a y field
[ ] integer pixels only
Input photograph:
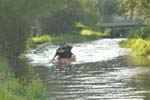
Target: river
[{"x": 103, "y": 71}]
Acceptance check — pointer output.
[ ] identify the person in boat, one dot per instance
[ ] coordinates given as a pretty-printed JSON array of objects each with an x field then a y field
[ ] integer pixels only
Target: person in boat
[{"x": 63, "y": 52}]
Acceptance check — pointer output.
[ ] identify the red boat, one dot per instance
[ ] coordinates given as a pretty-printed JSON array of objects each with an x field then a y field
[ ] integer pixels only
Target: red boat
[{"x": 66, "y": 60}]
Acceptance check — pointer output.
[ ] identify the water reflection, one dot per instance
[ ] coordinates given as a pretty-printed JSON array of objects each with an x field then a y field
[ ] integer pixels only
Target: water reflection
[
  {"x": 138, "y": 60},
  {"x": 106, "y": 80},
  {"x": 102, "y": 72}
]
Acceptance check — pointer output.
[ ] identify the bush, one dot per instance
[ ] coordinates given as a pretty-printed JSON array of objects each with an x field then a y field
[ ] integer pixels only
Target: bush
[
  {"x": 143, "y": 32},
  {"x": 138, "y": 46},
  {"x": 89, "y": 32},
  {"x": 3, "y": 65},
  {"x": 12, "y": 88},
  {"x": 73, "y": 38},
  {"x": 42, "y": 39},
  {"x": 84, "y": 35}
]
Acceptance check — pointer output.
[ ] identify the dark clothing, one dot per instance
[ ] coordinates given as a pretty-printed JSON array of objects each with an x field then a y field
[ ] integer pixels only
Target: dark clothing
[{"x": 66, "y": 52}]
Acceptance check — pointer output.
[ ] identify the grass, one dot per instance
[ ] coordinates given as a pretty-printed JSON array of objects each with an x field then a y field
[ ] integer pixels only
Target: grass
[
  {"x": 3, "y": 65},
  {"x": 139, "y": 47},
  {"x": 84, "y": 35},
  {"x": 42, "y": 39},
  {"x": 12, "y": 88},
  {"x": 73, "y": 38},
  {"x": 89, "y": 32}
]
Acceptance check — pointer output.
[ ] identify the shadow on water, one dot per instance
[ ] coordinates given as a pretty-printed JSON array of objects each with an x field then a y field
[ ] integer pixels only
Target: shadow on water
[{"x": 23, "y": 70}]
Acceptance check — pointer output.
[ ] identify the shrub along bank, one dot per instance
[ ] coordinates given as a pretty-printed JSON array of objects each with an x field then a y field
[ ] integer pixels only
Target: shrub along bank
[
  {"x": 84, "y": 35},
  {"x": 139, "y": 47},
  {"x": 12, "y": 88}
]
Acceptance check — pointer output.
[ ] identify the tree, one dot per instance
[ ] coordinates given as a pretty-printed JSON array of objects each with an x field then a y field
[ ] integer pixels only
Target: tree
[
  {"x": 63, "y": 19},
  {"x": 135, "y": 9},
  {"x": 74, "y": 11},
  {"x": 16, "y": 18}
]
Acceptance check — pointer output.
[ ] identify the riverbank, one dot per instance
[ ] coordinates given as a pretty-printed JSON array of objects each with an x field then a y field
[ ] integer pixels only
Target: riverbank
[
  {"x": 139, "y": 46},
  {"x": 83, "y": 36},
  {"x": 12, "y": 88}
]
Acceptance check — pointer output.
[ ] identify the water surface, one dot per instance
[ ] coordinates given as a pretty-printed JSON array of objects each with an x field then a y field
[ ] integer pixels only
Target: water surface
[{"x": 103, "y": 71}]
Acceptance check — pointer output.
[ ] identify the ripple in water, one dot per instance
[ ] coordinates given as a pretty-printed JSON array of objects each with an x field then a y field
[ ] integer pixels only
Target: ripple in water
[
  {"x": 99, "y": 73},
  {"x": 103, "y": 49}
]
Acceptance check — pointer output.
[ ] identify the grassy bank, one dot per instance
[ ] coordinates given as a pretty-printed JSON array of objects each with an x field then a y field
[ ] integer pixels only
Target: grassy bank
[
  {"x": 84, "y": 35},
  {"x": 139, "y": 47},
  {"x": 12, "y": 88}
]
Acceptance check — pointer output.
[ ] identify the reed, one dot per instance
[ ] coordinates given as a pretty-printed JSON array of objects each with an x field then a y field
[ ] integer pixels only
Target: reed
[
  {"x": 139, "y": 47},
  {"x": 12, "y": 88},
  {"x": 83, "y": 36}
]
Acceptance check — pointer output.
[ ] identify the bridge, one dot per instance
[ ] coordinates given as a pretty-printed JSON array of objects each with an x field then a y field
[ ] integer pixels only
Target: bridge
[
  {"x": 119, "y": 29},
  {"x": 122, "y": 25}
]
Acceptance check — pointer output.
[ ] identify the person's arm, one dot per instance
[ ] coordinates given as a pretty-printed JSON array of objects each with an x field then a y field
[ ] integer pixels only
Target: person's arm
[
  {"x": 57, "y": 51},
  {"x": 53, "y": 58},
  {"x": 55, "y": 55}
]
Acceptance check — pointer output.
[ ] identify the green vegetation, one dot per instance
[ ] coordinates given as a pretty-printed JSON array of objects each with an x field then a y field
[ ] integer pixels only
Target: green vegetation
[
  {"x": 138, "y": 38},
  {"x": 42, "y": 39},
  {"x": 143, "y": 32},
  {"x": 138, "y": 46},
  {"x": 12, "y": 88},
  {"x": 57, "y": 17},
  {"x": 85, "y": 35},
  {"x": 88, "y": 32},
  {"x": 135, "y": 9},
  {"x": 3, "y": 65},
  {"x": 73, "y": 38}
]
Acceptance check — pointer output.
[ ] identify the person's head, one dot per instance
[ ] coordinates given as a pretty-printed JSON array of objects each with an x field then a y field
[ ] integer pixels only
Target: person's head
[{"x": 62, "y": 44}]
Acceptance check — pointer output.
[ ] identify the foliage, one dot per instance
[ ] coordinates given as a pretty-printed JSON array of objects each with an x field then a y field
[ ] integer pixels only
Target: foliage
[
  {"x": 90, "y": 14},
  {"x": 84, "y": 35},
  {"x": 3, "y": 64},
  {"x": 73, "y": 38},
  {"x": 108, "y": 7},
  {"x": 26, "y": 10},
  {"x": 12, "y": 88},
  {"x": 64, "y": 20},
  {"x": 16, "y": 19},
  {"x": 135, "y": 9},
  {"x": 143, "y": 32},
  {"x": 127, "y": 43},
  {"x": 41, "y": 39},
  {"x": 107, "y": 32},
  {"x": 138, "y": 46},
  {"x": 89, "y": 32}
]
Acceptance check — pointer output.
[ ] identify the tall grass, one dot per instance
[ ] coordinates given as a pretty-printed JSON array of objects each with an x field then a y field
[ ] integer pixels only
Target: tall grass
[
  {"x": 3, "y": 65},
  {"x": 73, "y": 38},
  {"x": 42, "y": 39},
  {"x": 84, "y": 35},
  {"x": 12, "y": 88},
  {"x": 139, "y": 47}
]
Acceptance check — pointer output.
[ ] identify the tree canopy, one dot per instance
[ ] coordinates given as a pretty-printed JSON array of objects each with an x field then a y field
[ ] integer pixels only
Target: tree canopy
[
  {"x": 16, "y": 17},
  {"x": 135, "y": 9}
]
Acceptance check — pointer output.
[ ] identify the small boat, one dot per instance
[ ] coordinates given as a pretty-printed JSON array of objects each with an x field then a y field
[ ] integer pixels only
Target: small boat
[{"x": 66, "y": 60}]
